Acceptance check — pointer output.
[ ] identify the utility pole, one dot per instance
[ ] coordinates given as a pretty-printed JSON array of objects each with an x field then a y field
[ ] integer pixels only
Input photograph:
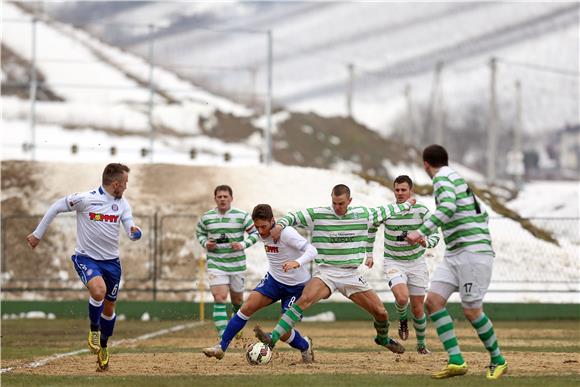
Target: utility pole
[
  {"x": 349, "y": 89},
  {"x": 410, "y": 133},
  {"x": 518, "y": 154},
  {"x": 268, "y": 158},
  {"x": 432, "y": 102},
  {"x": 439, "y": 112},
  {"x": 492, "y": 124},
  {"x": 151, "y": 93}
]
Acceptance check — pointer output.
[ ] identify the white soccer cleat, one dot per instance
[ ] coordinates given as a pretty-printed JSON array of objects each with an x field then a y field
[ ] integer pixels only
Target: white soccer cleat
[
  {"x": 215, "y": 351},
  {"x": 308, "y": 354}
]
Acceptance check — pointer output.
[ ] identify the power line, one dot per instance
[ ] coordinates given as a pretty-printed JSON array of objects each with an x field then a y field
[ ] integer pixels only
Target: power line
[{"x": 543, "y": 68}]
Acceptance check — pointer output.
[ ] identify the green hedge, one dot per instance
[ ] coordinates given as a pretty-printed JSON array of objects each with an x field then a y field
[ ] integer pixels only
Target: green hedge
[{"x": 343, "y": 310}]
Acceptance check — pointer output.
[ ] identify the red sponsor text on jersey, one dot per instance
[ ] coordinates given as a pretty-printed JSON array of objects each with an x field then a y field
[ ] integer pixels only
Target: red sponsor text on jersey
[
  {"x": 103, "y": 218},
  {"x": 271, "y": 249}
]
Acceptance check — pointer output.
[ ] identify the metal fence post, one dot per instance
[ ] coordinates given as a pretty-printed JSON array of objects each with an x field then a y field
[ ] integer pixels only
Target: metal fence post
[
  {"x": 268, "y": 158},
  {"x": 155, "y": 258},
  {"x": 151, "y": 92}
]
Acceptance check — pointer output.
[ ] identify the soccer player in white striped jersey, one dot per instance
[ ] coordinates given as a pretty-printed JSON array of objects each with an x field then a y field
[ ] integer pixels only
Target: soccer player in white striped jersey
[
  {"x": 286, "y": 277},
  {"x": 96, "y": 259},
  {"x": 340, "y": 235},
  {"x": 404, "y": 264},
  {"x": 467, "y": 264},
  {"x": 221, "y": 232}
]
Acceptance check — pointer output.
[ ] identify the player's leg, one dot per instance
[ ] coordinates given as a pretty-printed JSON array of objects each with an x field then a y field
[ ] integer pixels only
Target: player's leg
[
  {"x": 237, "y": 287},
  {"x": 370, "y": 301},
  {"x": 419, "y": 321},
  {"x": 112, "y": 277},
  {"x": 255, "y": 302},
  {"x": 435, "y": 304},
  {"x": 314, "y": 291},
  {"x": 417, "y": 282},
  {"x": 220, "y": 314},
  {"x": 401, "y": 293},
  {"x": 294, "y": 338},
  {"x": 474, "y": 277},
  {"x": 396, "y": 275},
  {"x": 91, "y": 276}
]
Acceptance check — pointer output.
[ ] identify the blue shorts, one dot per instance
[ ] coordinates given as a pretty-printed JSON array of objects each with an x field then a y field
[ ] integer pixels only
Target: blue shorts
[
  {"x": 88, "y": 268},
  {"x": 275, "y": 290}
]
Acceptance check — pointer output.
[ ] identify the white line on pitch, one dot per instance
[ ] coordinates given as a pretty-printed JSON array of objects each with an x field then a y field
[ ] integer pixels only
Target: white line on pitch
[{"x": 42, "y": 362}]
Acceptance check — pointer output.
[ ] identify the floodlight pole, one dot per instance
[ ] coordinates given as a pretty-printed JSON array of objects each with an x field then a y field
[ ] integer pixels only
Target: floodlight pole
[
  {"x": 492, "y": 124},
  {"x": 268, "y": 158}
]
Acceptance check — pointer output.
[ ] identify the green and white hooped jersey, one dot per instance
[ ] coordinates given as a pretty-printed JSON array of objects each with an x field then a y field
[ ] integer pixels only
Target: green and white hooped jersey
[
  {"x": 341, "y": 241},
  {"x": 226, "y": 229},
  {"x": 462, "y": 219},
  {"x": 396, "y": 226}
]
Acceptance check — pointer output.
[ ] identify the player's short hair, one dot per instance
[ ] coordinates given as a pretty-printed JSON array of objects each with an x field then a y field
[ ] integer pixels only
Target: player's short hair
[
  {"x": 113, "y": 172},
  {"x": 436, "y": 156},
  {"x": 341, "y": 189},
  {"x": 223, "y": 187},
  {"x": 403, "y": 179},
  {"x": 262, "y": 212}
]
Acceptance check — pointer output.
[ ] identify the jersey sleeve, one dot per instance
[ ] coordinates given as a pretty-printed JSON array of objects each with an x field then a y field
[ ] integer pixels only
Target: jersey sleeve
[
  {"x": 77, "y": 201},
  {"x": 433, "y": 239},
  {"x": 61, "y": 205},
  {"x": 300, "y": 218},
  {"x": 379, "y": 214},
  {"x": 446, "y": 201},
  {"x": 201, "y": 232},
  {"x": 250, "y": 229},
  {"x": 127, "y": 219}
]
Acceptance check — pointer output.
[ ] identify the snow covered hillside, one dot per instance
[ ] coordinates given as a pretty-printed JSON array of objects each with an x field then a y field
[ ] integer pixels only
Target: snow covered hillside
[{"x": 390, "y": 44}]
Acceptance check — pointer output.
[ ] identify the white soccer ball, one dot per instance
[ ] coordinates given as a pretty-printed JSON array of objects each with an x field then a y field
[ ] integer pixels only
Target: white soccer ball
[{"x": 258, "y": 354}]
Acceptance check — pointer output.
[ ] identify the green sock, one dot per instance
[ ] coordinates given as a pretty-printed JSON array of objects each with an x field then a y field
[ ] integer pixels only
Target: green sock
[
  {"x": 235, "y": 308},
  {"x": 444, "y": 325},
  {"x": 287, "y": 321},
  {"x": 382, "y": 328},
  {"x": 484, "y": 329},
  {"x": 220, "y": 317},
  {"x": 401, "y": 310},
  {"x": 420, "y": 325}
]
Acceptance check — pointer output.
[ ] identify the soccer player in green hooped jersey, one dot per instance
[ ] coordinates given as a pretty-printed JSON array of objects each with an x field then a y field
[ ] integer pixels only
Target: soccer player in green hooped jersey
[
  {"x": 340, "y": 235},
  {"x": 467, "y": 264},
  {"x": 404, "y": 263},
  {"x": 221, "y": 232}
]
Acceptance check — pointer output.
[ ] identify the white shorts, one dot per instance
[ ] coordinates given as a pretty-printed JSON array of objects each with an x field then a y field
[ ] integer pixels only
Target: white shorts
[
  {"x": 236, "y": 281},
  {"x": 347, "y": 281},
  {"x": 470, "y": 273},
  {"x": 413, "y": 273}
]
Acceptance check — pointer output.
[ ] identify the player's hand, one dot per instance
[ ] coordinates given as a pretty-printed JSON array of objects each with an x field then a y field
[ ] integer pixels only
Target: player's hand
[
  {"x": 370, "y": 262},
  {"x": 422, "y": 242},
  {"x": 413, "y": 237},
  {"x": 32, "y": 241},
  {"x": 287, "y": 266},
  {"x": 211, "y": 245},
  {"x": 237, "y": 246},
  {"x": 135, "y": 233},
  {"x": 276, "y": 232},
  {"x": 412, "y": 201}
]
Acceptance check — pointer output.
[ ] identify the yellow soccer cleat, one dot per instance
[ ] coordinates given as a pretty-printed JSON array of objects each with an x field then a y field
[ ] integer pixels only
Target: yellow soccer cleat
[
  {"x": 103, "y": 359},
  {"x": 495, "y": 371},
  {"x": 450, "y": 371},
  {"x": 94, "y": 341}
]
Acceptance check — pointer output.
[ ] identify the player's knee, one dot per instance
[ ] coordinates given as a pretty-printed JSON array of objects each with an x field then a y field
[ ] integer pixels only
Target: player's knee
[
  {"x": 432, "y": 305},
  {"x": 417, "y": 310},
  {"x": 401, "y": 299},
  {"x": 472, "y": 314}
]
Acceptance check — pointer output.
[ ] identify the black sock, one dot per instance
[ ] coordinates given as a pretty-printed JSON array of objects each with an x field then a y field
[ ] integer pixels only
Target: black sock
[
  {"x": 94, "y": 328},
  {"x": 103, "y": 343}
]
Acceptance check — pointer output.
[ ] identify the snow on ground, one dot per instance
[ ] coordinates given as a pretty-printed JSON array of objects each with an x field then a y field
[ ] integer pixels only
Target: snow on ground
[{"x": 548, "y": 199}]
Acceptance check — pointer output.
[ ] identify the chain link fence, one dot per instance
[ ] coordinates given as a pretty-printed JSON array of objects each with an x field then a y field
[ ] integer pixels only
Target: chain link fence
[{"x": 168, "y": 263}]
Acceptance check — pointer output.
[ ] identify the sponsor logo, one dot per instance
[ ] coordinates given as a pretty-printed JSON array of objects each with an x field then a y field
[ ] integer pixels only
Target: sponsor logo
[
  {"x": 115, "y": 207},
  {"x": 342, "y": 237},
  {"x": 90, "y": 271},
  {"x": 103, "y": 217},
  {"x": 271, "y": 249}
]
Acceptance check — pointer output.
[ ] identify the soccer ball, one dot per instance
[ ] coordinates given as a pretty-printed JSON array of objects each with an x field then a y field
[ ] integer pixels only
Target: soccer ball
[{"x": 258, "y": 354}]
